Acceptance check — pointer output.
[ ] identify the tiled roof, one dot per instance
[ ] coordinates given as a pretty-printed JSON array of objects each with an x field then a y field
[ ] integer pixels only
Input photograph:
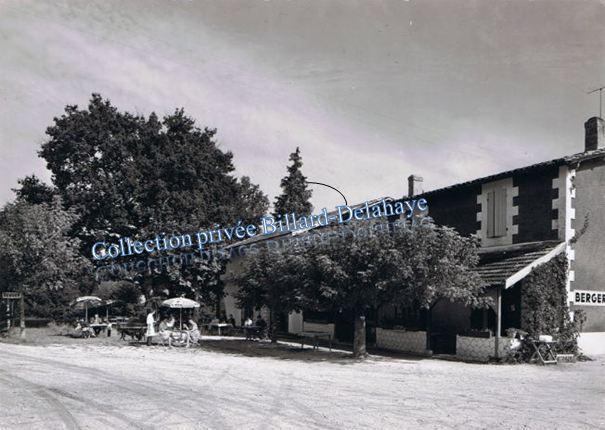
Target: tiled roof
[
  {"x": 500, "y": 264},
  {"x": 570, "y": 159}
]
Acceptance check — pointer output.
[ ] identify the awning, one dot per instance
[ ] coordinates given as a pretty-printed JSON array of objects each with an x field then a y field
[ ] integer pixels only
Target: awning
[{"x": 507, "y": 265}]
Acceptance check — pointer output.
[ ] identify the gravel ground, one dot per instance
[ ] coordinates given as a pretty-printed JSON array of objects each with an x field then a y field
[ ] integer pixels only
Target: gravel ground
[{"x": 225, "y": 384}]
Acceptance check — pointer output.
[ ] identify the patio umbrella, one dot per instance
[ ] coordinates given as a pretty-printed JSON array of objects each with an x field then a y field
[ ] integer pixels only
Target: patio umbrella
[
  {"x": 180, "y": 303},
  {"x": 85, "y": 301}
]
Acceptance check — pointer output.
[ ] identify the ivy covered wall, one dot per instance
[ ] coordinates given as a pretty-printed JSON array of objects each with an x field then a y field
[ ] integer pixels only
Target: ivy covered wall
[{"x": 544, "y": 308}]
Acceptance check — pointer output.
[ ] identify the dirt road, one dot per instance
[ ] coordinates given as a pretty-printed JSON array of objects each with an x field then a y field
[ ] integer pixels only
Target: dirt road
[{"x": 99, "y": 387}]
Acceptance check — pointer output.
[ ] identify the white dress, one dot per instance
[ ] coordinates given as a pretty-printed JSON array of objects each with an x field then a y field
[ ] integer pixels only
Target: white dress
[{"x": 150, "y": 325}]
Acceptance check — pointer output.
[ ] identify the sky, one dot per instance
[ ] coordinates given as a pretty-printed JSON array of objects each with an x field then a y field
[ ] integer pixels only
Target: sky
[{"x": 371, "y": 91}]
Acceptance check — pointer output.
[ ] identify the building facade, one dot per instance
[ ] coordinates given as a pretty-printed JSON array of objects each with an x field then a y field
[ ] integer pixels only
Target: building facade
[
  {"x": 524, "y": 218},
  {"x": 527, "y": 216}
]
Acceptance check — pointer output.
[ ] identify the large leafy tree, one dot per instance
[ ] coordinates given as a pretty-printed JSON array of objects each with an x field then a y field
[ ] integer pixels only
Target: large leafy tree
[
  {"x": 358, "y": 271},
  {"x": 368, "y": 268},
  {"x": 295, "y": 194},
  {"x": 38, "y": 257},
  {"x": 137, "y": 176},
  {"x": 129, "y": 174}
]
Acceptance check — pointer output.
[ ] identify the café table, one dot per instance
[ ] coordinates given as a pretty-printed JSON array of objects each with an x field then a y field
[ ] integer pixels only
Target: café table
[
  {"x": 252, "y": 331},
  {"x": 218, "y": 326},
  {"x": 98, "y": 327},
  {"x": 134, "y": 331}
]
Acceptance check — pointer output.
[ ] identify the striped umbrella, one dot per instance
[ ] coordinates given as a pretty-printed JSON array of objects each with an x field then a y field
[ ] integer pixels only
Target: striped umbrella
[
  {"x": 180, "y": 303},
  {"x": 85, "y": 301}
]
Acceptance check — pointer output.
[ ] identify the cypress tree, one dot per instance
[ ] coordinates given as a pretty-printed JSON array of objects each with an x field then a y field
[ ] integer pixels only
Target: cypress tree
[{"x": 295, "y": 195}]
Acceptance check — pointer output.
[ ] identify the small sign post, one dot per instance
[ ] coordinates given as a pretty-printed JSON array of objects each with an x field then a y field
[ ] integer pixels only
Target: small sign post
[{"x": 9, "y": 296}]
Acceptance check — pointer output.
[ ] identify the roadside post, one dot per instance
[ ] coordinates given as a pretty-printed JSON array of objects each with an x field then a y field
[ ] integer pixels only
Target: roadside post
[{"x": 9, "y": 296}]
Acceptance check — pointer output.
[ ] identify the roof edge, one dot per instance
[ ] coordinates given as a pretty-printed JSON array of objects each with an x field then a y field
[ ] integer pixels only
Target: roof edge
[{"x": 513, "y": 279}]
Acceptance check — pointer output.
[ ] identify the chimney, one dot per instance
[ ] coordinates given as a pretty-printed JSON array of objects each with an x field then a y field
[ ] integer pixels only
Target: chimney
[
  {"x": 414, "y": 185},
  {"x": 595, "y": 134}
]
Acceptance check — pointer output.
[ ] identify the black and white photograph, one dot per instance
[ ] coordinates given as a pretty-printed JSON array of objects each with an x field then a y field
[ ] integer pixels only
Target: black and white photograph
[{"x": 302, "y": 214}]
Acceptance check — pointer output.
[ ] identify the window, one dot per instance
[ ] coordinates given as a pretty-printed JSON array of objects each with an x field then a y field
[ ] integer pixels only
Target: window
[{"x": 496, "y": 213}]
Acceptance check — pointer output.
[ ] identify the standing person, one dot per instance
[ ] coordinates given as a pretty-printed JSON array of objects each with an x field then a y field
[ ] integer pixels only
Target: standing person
[
  {"x": 150, "y": 326},
  {"x": 248, "y": 328}
]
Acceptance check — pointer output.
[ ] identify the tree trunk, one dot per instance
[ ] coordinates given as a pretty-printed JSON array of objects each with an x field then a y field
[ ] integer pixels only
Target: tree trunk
[
  {"x": 429, "y": 326},
  {"x": 272, "y": 326},
  {"x": 359, "y": 336},
  {"x": 22, "y": 315}
]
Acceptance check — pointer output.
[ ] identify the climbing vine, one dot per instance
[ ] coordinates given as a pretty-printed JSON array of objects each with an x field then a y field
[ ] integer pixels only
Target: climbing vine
[{"x": 544, "y": 305}]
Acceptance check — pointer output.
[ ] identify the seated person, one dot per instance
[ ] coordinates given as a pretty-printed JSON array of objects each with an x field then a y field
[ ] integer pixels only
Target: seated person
[
  {"x": 231, "y": 320},
  {"x": 90, "y": 331},
  {"x": 164, "y": 332},
  {"x": 83, "y": 330},
  {"x": 77, "y": 331},
  {"x": 170, "y": 323},
  {"x": 194, "y": 332},
  {"x": 262, "y": 326}
]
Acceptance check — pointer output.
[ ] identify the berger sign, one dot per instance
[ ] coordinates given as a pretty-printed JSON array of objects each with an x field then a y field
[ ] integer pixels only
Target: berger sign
[{"x": 588, "y": 298}]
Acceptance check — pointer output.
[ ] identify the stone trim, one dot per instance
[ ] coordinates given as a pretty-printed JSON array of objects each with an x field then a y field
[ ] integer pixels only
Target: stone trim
[{"x": 566, "y": 215}]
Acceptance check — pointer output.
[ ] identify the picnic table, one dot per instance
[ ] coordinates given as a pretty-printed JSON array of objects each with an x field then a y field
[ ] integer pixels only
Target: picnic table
[
  {"x": 315, "y": 335},
  {"x": 252, "y": 331},
  {"x": 98, "y": 327},
  {"x": 134, "y": 331},
  {"x": 218, "y": 327}
]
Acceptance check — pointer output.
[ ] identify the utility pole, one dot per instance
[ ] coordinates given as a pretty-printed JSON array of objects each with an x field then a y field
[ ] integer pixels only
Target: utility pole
[{"x": 600, "y": 90}]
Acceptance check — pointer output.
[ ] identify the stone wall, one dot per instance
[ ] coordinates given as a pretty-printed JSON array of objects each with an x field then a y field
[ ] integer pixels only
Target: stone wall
[
  {"x": 401, "y": 340},
  {"x": 480, "y": 348}
]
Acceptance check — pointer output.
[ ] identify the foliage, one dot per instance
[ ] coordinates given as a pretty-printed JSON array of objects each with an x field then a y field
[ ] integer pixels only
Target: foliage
[
  {"x": 438, "y": 263},
  {"x": 410, "y": 267},
  {"x": 136, "y": 176},
  {"x": 295, "y": 195},
  {"x": 273, "y": 279},
  {"x": 34, "y": 191},
  {"x": 365, "y": 268},
  {"x": 544, "y": 305},
  {"x": 252, "y": 202},
  {"x": 38, "y": 257},
  {"x": 128, "y": 174}
]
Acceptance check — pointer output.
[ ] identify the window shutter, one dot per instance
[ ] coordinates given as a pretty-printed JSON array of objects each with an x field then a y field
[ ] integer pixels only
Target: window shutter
[
  {"x": 490, "y": 213},
  {"x": 501, "y": 213}
]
